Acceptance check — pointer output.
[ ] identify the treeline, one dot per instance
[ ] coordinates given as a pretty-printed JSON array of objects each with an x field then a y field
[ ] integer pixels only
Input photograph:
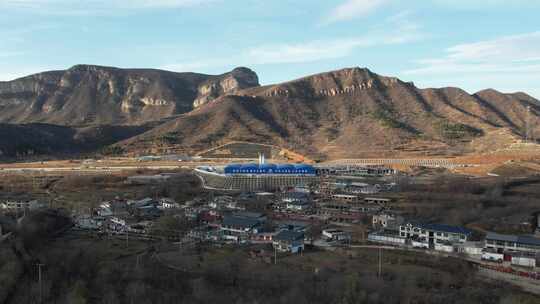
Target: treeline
[{"x": 92, "y": 273}]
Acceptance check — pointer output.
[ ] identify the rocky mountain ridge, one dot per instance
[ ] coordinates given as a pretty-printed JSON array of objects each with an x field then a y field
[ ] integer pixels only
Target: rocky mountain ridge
[
  {"x": 351, "y": 112},
  {"x": 86, "y": 95}
]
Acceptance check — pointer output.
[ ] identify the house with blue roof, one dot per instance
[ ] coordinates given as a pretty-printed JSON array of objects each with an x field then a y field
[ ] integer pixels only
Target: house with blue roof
[
  {"x": 289, "y": 241},
  {"x": 505, "y": 242},
  {"x": 432, "y": 234},
  {"x": 239, "y": 228}
]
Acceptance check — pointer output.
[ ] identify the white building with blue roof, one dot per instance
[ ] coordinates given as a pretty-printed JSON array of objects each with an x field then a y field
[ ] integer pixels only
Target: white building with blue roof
[
  {"x": 270, "y": 169},
  {"x": 434, "y": 233},
  {"x": 257, "y": 176},
  {"x": 506, "y": 242}
]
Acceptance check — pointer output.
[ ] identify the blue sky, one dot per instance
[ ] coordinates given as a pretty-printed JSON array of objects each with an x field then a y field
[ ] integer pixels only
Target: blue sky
[{"x": 472, "y": 44}]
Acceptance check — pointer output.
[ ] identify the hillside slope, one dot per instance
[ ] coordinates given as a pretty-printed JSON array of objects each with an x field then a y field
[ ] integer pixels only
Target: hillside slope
[
  {"x": 348, "y": 113},
  {"x": 41, "y": 139},
  {"x": 85, "y": 94}
]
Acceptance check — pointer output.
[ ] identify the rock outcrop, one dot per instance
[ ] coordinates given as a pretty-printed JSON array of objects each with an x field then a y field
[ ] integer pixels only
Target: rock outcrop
[
  {"x": 86, "y": 94},
  {"x": 231, "y": 83}
]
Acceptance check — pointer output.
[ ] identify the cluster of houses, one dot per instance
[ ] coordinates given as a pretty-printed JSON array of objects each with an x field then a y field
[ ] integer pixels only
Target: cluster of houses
[
  {"x": 120, "y": 215},
  {"x": 285, "y": 220},
  {"x": 285, "y": 236},
  {"x": 254, "y": 227},
  {"x": 358, "y": 171},
  {"x": 516, "y": 250},
  {"x": 354, "y": 187}
]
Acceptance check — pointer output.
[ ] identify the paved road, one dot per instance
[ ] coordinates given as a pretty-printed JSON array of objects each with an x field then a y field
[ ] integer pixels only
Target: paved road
[
  {"x": 84, "y": 169},
  {"x": 526, "y": 284},
  {"x": 424, "y": 162}
]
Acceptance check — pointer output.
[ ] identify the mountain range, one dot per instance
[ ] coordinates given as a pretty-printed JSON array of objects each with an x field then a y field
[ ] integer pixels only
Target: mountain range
[{"x": 351, "y": 112}]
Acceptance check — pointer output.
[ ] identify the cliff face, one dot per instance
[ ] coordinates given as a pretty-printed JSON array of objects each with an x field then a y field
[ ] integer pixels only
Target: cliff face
[
  {"x": 103, "y": 95},
  {"x": 231, "y": 83}
]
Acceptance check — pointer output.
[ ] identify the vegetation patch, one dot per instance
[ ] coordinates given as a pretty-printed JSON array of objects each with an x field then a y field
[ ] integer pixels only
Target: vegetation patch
[
  {"x": 113, "y": 150},
  {"x": 170, "y": 138},
  {"x": 388, "y": 119},
  {"x": 449, "y": 130}
]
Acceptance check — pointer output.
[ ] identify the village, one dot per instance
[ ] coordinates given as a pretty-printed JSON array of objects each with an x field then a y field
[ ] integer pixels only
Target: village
[{"x": 339, "y": 212}]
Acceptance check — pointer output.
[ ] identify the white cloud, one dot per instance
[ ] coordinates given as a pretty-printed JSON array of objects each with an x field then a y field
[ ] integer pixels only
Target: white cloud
[
  {"x": 402, "y": 31},
  {"x": 72, "y": 7},
  {"x": 305, "y": 52},
  {"x": 516, "y": 53},
  {"x": 352, "y": 9},
  {"x": 509, "y": 62}
]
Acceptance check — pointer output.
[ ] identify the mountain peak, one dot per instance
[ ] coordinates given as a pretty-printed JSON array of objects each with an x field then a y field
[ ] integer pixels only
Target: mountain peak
[
  {"x": 229, "y": 83},
  {"x": 89, "y": 68},
  {"x": 332, "y": 83},
  {"x": 242, "y": 70}
]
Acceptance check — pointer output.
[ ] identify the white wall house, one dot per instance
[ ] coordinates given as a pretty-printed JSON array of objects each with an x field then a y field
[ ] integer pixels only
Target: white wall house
[
  {"x": 237, "y": 228},
  {"x": 505, "y": 242},
  {"x": 434, "y": 233},
  {"x": 167, "y": 203},
  {"x": 470, "y": 248},
  {"x": 387, "y": 238}
]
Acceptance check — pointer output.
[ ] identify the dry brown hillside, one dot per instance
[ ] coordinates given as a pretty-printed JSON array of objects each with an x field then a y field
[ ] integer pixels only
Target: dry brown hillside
[
  {"x": 340, "y": 114},
  {"x": 86, "y": 94},
  {"x": 350, "y": 113}
]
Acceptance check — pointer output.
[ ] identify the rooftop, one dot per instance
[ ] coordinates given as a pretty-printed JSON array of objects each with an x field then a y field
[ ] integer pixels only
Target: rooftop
[
  {"x": 289, "y": 235},
  {"x": 522, "y": 239},
  {"x": 443, "y": 228},
  {"x": 248, "y": 214},
  {"x": 242, "y": 222}
]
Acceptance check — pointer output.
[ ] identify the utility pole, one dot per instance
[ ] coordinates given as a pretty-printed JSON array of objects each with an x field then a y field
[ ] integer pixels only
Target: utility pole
[
  {"x": 275, "y": 256},
  {"x": 39, "y": 266},
  {"x": 380, "y": 262},
  {"x": 179, "y": 241},
  {"x": 528, "y": 124}
]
